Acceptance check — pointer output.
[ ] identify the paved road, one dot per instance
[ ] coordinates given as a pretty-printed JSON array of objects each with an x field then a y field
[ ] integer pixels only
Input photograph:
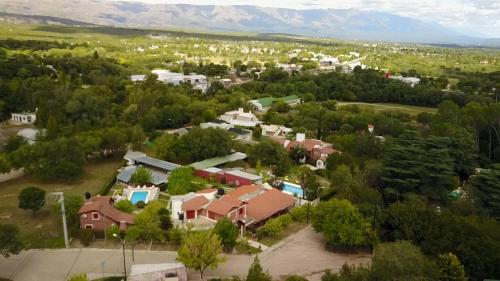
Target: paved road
[{"x": 301, "y": 253}]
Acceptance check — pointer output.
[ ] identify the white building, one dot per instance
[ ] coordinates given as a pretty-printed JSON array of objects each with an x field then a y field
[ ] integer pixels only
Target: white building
[
  {"x": 198, "y": 81},
  {"x": 275, "y": 130},
  {"x": 240, "y": 118},
  {"x": 217, "y": 124},
  {"x": 23, "y": 118},
  {"x": 412, "y": 81},
  {"x": 328, "y": 61}
]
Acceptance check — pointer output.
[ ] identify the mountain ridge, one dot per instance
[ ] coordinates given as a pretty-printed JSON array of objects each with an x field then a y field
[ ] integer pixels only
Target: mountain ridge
[{"x": 348, "y": 24}]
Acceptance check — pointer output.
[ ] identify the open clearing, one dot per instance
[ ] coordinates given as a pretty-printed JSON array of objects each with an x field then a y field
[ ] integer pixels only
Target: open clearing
[
  {"x": 96, "y": 174},
  {"x": 377, "y": 107}
]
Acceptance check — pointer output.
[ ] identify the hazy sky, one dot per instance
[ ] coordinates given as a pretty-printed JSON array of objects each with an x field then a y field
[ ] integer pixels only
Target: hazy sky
[{"x": 480, "y": 17}]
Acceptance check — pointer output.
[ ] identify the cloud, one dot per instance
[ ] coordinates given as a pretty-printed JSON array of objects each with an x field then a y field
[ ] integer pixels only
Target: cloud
[{"x": 467, "y": 16}]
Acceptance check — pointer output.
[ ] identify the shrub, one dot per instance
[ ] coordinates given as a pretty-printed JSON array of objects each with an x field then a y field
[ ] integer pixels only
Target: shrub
[
  {"x": 272, "y": 228},
  {"x": 79, "y": 277},
  {"x": 140, "y": 204},
  {"x": 108, "y": 185},
  {"x": 175, "y": 235},
  {"x": 112, "y": 231},
  {"x": 32, "y": 198},
  {"x": 125, "y": 206},
  {"x": 299, "y": 213},
  {"x": 285, "y": 220},
  {"x": 86, "y": 236}
]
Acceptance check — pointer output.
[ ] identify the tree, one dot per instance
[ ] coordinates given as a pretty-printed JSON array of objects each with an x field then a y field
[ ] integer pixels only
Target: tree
[
  {"x": 342, "y": 225},
  {"x": 298, "y": 154},
  {"x": 5, "y": 165},
  {"x": 32, "y": 198},
  {"x": 180, "y": 181},
  {"x": 60, "y": 159},
  {"x": 486, "y": 190},
  {"x": 257, "y": 132},
  {"x": 410, "y": 168},
  {"x": 309, "y": 182},
  {"x": 10, "y": 243},
  {"x": 256, "y": 272},
  {"x": 147, "y": 224},
  {"x": 201, "y": 250},
  {"x": 165, "y": 219},
  {"x": 113, "y": 232},
  {"x": 342, "y": 179},
  {"x": 450, "y": 268},
  {"x": 125, "y": 206},
  {"x": 72, "y": 205},
  {"x": 272, "y": 154},
  {"x": 227, "y": 232},
  {"x": 141, "y": 176},
  {"x": 402, "y": 261},
  {"x": 200, "y": 144},
  {"x": 13, "y": 143}
]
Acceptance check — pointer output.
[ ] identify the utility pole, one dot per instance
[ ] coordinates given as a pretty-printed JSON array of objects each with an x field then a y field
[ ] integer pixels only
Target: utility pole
[
  {"x": 123, "y": 252},
  {"x": 60, "y": 195}
]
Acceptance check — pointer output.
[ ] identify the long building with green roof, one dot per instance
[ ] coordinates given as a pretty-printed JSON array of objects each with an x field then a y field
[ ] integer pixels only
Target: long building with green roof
[{"x": 263, "y": 104}]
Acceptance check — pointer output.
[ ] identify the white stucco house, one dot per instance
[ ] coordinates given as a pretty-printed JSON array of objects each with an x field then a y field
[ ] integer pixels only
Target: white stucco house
[
  {"x": 23, "y": 118},
  {"x": 240, "y": 118}
]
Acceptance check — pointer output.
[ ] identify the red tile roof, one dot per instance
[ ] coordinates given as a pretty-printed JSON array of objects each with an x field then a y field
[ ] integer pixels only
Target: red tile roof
[
  {"x": 244, "y": 190},
  {"x": 104, "y": 205},
  {"x": 194, "y": 204},
  {"x": 268, "y": 204},
  {"x": 224, "y": 205}
]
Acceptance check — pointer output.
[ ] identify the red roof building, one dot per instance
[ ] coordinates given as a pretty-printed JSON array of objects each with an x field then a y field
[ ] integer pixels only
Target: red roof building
[
  {"x": 194, "y": 207},
  {"x": 98, "y": 213},
  {"x": 249, "y": 205},
  {"x": 317, "y": 150}
]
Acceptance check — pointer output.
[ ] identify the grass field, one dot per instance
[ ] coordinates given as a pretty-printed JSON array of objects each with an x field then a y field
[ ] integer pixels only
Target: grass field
[
  {"x": 96, "y": 174},
  {"x": 376, "y": 107}
]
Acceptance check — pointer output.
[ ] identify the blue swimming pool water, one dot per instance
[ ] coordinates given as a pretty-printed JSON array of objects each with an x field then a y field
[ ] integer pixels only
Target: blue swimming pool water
[
  {"x": 138, "y": 196},
  {"x": 294, "y": 189}
]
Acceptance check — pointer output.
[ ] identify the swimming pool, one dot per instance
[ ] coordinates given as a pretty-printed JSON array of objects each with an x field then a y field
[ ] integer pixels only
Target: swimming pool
[
  {"x": 139, "y": 196},
  {"x": 293, "y": 189}
]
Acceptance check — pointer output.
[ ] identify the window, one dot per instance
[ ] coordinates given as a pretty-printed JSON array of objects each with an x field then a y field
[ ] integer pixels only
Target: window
[
  {"x": 84, "y": 216},
  {"x": 170, "y": 274},
  {"x": 95, "y": 216},
  {"x": 89, "y": 226}
]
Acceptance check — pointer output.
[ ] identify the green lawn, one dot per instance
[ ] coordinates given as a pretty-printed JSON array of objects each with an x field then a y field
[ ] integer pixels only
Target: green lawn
[
  {"x": 410, "y": 109},
  {"x": 96, "y": 174}
]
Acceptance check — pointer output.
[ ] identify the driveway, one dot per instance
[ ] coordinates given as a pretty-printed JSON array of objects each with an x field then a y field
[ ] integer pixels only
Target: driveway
[{"x": 301, "y": 253}]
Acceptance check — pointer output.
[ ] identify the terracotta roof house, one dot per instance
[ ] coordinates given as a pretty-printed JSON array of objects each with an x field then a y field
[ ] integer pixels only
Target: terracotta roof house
[
  {"x": 194, "y": 207},
  {"x": 226, "y": 207},
  {"x": 317, "y": 150},
  {"x": 247, "y": 206},
  {"x": 98, "y": 213}
]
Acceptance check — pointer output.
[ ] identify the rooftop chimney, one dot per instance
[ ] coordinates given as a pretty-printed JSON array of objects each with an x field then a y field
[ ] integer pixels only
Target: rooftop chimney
[{"x": 300, "y": 137}]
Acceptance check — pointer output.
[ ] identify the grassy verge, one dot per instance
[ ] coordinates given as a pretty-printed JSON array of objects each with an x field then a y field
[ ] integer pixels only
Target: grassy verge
[
  {"x": 243, "y": 248},
  {"x": 289, "y": 230}
]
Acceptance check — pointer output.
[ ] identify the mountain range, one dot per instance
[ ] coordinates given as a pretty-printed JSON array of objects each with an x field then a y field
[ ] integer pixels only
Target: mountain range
[{"x": 348, "y": 24}]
